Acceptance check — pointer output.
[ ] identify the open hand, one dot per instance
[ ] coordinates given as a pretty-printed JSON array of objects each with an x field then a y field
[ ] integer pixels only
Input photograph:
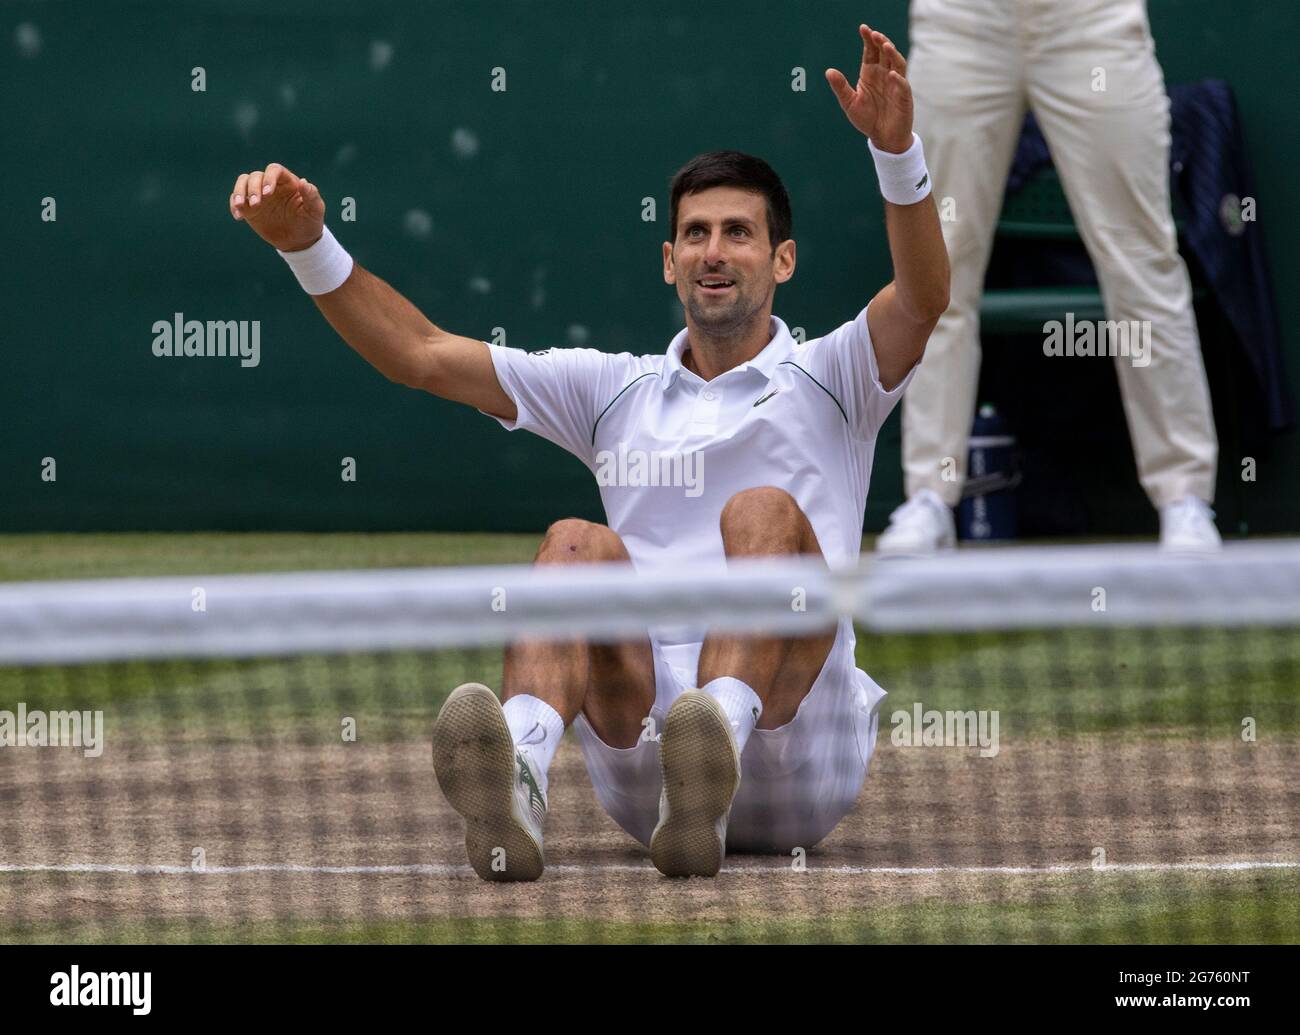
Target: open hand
[{"x": 881, "y": 104}]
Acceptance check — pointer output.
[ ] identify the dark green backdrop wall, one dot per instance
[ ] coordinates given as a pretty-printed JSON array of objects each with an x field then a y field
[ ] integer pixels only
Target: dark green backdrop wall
[{"x": 518, "y": 209}]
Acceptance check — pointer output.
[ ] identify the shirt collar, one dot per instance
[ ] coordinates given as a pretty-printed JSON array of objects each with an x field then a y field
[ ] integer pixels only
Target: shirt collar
[{"x": 777, "y": 349}]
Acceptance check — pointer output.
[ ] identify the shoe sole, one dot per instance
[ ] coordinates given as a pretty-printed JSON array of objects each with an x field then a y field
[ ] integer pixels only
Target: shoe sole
[
  {"x": 701, "y": 773},
  {"x": 474, "y": 762}
]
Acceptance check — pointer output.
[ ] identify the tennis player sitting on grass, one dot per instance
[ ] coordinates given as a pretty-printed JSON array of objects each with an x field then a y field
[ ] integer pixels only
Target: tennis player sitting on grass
[{"x": 763, "y": 742}]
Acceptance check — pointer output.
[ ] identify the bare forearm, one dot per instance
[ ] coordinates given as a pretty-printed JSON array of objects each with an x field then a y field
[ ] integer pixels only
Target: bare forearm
[
  {"x": 288, "y": 212},
  {"x": 921, "y": 275},
  {"x": 381, "y": 324},
  {"x": 405, "y": 346},
  {"x": 904, "y": 312}
]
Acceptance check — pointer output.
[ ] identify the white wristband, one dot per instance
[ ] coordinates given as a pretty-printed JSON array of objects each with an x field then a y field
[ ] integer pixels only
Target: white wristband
[
  {"x": 904, "y": 179},
  {"x": 321, "y": 268}
]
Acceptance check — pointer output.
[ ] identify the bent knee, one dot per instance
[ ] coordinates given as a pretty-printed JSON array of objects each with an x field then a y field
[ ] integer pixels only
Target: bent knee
[
  {"x": 761, "y": 506},
  {"x": 573, "y": 539},
  {"x": 765, "y": 520},
  {"x": 766, "y": 499}
]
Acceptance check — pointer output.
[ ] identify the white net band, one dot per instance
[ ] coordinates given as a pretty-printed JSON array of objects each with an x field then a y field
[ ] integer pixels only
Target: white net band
[{"x": 1255, "y": 583}]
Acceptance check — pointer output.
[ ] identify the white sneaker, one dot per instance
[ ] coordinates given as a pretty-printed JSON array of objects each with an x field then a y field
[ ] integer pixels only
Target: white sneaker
[
  {"x": 491, "y": 783},
  {"x": 701, "y": 772},
  {"x": 1187, "y": 526},
  {"x": 922, "y": 526}
]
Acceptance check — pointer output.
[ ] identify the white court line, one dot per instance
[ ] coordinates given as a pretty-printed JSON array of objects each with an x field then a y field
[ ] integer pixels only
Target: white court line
[{"x": 443, "y": 870}]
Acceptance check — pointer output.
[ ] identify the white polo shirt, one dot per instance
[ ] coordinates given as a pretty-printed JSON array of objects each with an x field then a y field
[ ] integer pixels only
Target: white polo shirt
[{"x": 669, "y": 449}]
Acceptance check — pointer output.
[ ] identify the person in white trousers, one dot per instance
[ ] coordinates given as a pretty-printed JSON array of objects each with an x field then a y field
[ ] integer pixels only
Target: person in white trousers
[{"x": 1088, "y": 71}]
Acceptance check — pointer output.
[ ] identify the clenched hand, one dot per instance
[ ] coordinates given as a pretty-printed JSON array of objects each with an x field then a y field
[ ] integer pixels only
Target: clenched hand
[{"x": 285, "y": 210}]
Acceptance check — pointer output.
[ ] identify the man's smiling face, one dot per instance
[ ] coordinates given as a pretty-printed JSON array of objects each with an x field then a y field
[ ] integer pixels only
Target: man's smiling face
[{"x": 722, "y": 261}]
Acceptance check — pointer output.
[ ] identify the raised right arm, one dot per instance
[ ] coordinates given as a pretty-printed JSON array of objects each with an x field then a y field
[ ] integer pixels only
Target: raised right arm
[{"x": 378, "y": 322}]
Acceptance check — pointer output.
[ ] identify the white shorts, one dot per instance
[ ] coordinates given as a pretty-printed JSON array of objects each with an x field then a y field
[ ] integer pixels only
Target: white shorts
[{"x": 797, "y": 782}]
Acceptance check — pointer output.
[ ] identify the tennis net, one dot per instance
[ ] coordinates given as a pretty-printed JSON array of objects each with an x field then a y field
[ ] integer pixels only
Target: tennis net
[{"x": 1078, "y": 744}]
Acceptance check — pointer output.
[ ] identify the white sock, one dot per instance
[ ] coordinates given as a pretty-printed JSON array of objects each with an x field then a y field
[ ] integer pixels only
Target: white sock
[
  {"x": 536, "y": 728},
  {"x": 742, "y": 705}
]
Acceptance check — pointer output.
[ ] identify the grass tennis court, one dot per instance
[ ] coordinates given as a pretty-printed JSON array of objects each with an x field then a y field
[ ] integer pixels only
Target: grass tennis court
[{"x": 1129, "y": 741}]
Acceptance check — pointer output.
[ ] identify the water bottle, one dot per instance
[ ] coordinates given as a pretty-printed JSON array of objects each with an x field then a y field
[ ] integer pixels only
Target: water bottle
[{"x": 987, "y": 511}]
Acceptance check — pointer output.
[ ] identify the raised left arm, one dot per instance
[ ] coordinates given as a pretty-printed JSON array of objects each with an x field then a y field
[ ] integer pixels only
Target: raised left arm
[{"x": 904, "y": 311}]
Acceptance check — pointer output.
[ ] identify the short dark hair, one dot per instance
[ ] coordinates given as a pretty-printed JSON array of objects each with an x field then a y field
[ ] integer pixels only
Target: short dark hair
[{"x": 734, "y": 169}]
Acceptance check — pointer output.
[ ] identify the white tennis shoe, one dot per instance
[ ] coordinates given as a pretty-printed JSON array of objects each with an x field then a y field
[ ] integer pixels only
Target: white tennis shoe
[
  {"x": 491, "y": 784},
  {"x": 1187, "y": 526},
  {"x": 701, "y": 773},
  {"x": 922, "y": 526}
]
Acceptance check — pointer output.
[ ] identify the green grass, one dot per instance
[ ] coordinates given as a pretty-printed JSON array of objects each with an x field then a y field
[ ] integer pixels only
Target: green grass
[
  {"x": 249, "y": 700},
  {"x": 1120, "y": 683},
  {"x": 257, "y": 701},
  {"x": 1043, "y": 683},
  {"x": 1214, "y": 908},
  {"x": 1190, "y": 684},
  {"x": 1133, "y": 682},
  {"x": 72, "y": 555}
]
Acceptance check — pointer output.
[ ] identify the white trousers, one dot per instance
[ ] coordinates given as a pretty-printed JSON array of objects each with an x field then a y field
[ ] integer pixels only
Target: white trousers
[{"x": 1087, "y": 69}]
